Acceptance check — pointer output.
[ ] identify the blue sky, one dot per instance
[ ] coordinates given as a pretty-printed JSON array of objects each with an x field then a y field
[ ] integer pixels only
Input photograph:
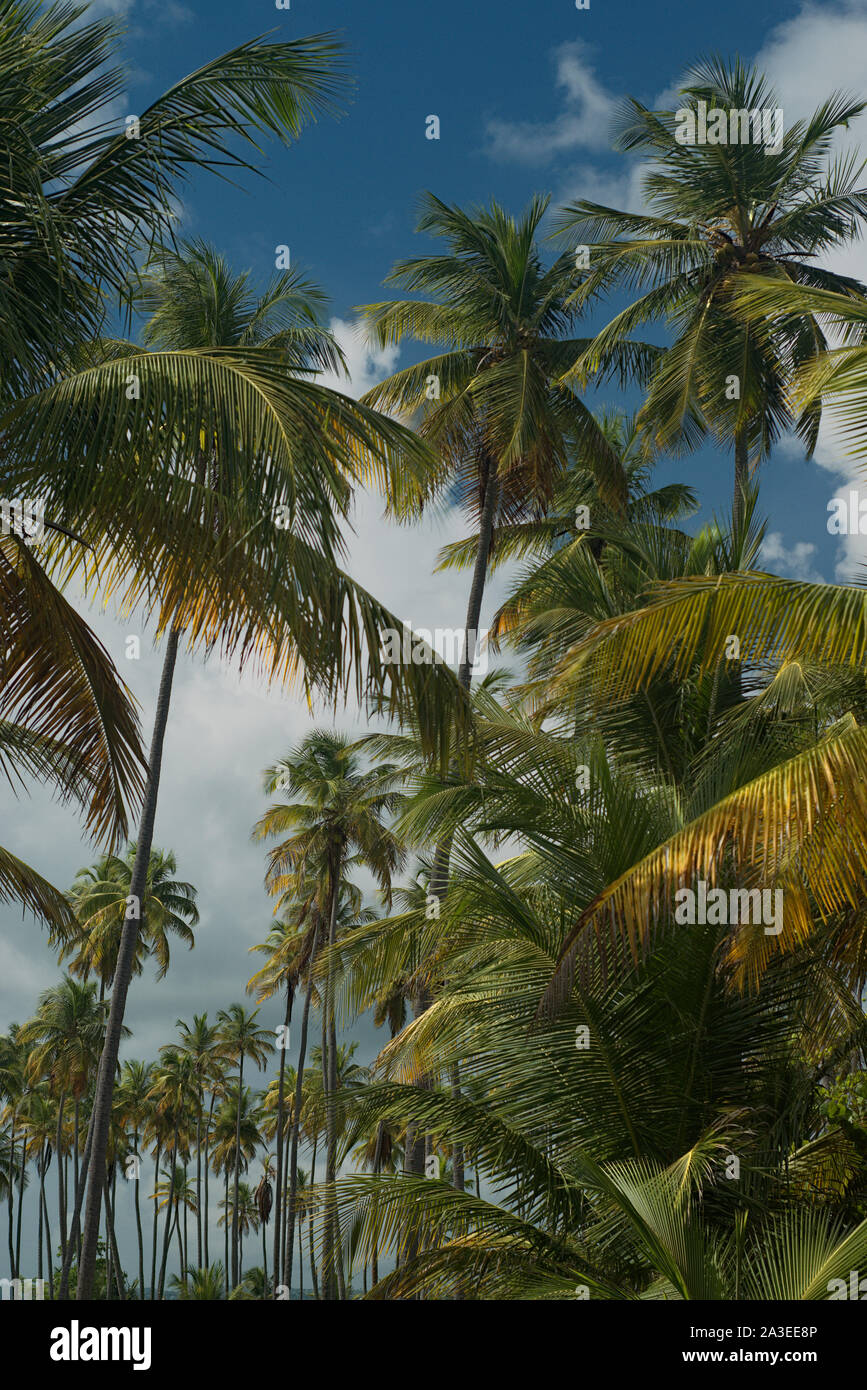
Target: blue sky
[{"x": 524, "y": 94}]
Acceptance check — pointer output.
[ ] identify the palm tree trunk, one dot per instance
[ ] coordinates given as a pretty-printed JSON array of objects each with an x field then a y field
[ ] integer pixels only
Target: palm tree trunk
[
  {"x": 47, "y": 1239},
  {"x": 235, "y": 1260},
  {"x": 184, "y": 1255},
  {"x": 313, "y": 1274},
  {"x": 21, "y": 1178},
  {"x": 72, "y": 1244},
  {"x": 329, "y": 1243},
  {"x": 137, "y": 1201},
  {"x": 155, "y": 1223},
  {"x": 170, "y": 1205},
  {"x": 61, "y": 1195},
  {"x": 207, "y": 1169},
  {"x": 75, "y": 1172},
  {"x": 39, "y": 1236},
  {"x": 296, "y": 1119},
  {"x": 278, "y": 1182},
  {"x": 199, "y": 1181},
  {"x": 226, "y": 1227},
  {"x": 10, "y": 1198},
  {"x": 104, "y": 1093},
  {"x": 114, "y": 1258}
]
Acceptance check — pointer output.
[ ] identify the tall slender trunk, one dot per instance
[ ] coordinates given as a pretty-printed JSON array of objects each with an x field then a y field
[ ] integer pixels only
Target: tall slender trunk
[
  {"x": 329, "y": 1243},
  {"x": 72, "y": 1244},
  {"x": 278, "y": 1181},
  {"x": 47, "y": 1238},
  {"x": 207, "y": 1169},
  {"x": 104, "y": 1093},
  {"x": 235, "y": 1215},
  {"x": 111, "y": 1242},
  {"x": 76, "y": 1111},
  {"x": 39, "y": 1237},
  {"x": 61, "y": 1194},
  {"x": 170, "y": 1206},
  {"x": 226, "y": 1227},
  {"x": 155, "y": 1223},
  {"x": 10, "y": 1199},
  {"x": 137, "y": 1201},
  {"x": 21, "y": 1179},
  {"x": 184, "y": 1244},
  {"x": 199, "y": 1181},
  {"x": 296, "y": 1120},
  {"x": 313, "y": 1274}
]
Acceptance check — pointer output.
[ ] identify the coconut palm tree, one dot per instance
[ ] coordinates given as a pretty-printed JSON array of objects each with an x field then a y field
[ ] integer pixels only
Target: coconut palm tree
[
  {"x": 491, "y": 403},
  {"x": 234, "y": 1147},
  {"x": 241, "y": 1038},
  {"x": 64, "y": 1039},
  {"x": 714, "y": 213},
  {"x": 335, "y": 814},
  {"x": 79, "y": 213},
  {"x": 201, "y": 1041},
  {"x": 134, "y": 1105},
  {"x": 175, "y": 1095},
  {"x": 99, "y": 896},
  {"x": 66, "y": 718}
]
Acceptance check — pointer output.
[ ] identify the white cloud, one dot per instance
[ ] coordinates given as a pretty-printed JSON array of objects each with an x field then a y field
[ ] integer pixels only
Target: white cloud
[
  {"x": 585, "y": 123},
  {"x": 366, "y": 363},
  {"x": 795, "y": 562}
]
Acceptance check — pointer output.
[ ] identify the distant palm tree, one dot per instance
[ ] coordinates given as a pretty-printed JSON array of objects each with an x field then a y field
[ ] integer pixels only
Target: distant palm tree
[
  {"x": 240, "y": 1038},
  {"x": 715, "y": 213},
  {"x": 133, "y": 1101},
  {"x": 176, "y": 1098},
  {"x": 334, "y": 814},
  {"x": 64, "y": 1039},
  {"x": 204, "y": 1285},
  {"x": 99, "y": 896},
  {"x": 201, "y": 1042}
]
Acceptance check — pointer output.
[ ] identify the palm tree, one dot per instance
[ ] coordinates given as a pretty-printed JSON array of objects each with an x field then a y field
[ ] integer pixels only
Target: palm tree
[
  {"x": 99, "y": 896},
  {"x": 501, "y": 422},
  {"x": 64, "y": 248},
  {"x": 177, "y": 1192},
  {"x": 239, "y": 1038},
  {"x": 288, "y": 952},
  {"x": 67, "y": 719},
  {"x": 205, "y": 1285},
  {"x": 134, "y": 1104},
  {"x": 234, "y": 1147},
  {"x": 14, "y": 1090},
  {"x": 201, "y": 1042},
  {"x": 717, "y": 212},
  {"x": 64, "y": 1039},
  {"x": 176, "y": 1097},
  {"x": 337, "y": 820}
]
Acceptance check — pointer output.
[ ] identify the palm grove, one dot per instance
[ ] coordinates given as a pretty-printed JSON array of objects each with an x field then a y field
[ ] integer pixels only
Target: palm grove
[{"x": 576, "y": 1092}]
